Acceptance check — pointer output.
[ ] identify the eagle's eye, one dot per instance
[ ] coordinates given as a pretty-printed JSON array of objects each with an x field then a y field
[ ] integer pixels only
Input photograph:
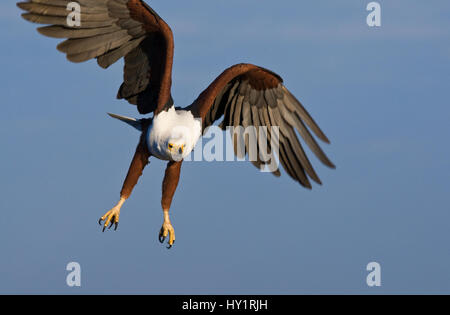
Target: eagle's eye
[{"x": 170, "y": 145}]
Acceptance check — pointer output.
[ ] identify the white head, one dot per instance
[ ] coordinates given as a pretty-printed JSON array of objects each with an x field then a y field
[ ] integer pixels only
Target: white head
[
  {"x": 173, "y": 134},
  {"x": 177, "y": 143}
]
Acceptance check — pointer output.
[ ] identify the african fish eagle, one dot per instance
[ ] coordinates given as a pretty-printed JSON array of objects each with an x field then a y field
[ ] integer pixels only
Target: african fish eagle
[{"x": 244, "y": 94}]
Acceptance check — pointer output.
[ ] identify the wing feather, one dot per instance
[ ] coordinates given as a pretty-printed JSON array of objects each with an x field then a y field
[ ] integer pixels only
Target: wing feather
[
  {"x": 57, "y": 31},
  {"x": 109, "y": 31},
  {"x": 247, "y": 95}
]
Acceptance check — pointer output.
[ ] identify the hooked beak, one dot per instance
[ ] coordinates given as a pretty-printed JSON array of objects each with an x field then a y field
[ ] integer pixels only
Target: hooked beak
[{"x": 176, "y": 148}]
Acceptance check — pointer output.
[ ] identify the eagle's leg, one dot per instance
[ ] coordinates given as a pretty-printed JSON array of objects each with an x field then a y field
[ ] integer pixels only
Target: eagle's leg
[
  {"x": 169, "y": 186},
  {"x": 140, "y": 160}
]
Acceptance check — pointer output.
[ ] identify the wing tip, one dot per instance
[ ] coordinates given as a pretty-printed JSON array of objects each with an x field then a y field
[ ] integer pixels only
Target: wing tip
[
  {"x": 102, "y": 64},
  {"x": 22, "y": 5},
  {"x": 26, "y": 16}
]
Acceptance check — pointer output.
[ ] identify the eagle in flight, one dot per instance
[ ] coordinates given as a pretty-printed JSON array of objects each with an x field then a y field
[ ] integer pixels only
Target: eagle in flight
[{"x": 244, "y": 94}]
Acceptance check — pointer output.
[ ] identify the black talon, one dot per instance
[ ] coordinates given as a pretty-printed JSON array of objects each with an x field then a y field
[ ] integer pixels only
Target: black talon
[
  {"x": 112, "y": 222},
  {"x": 116, "y": 225},
  {"x": 160, "y": 236},
  {"x": 169, "y": 247},
  {"x": 104, "y": 229},
  {"x": 100, "y": 221}
]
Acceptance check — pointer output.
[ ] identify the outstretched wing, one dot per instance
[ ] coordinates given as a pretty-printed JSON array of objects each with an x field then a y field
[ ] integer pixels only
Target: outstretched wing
[
  {"x": 247, "y": 95},
  {"x": 108, "y": 31}
]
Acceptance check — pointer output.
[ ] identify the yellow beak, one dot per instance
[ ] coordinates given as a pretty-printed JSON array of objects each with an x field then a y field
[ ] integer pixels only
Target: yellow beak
[{"x": 176, "y": 148}]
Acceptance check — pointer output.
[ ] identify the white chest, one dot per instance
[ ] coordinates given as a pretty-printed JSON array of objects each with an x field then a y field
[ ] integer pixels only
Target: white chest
[{"x": 177, "y": 127}]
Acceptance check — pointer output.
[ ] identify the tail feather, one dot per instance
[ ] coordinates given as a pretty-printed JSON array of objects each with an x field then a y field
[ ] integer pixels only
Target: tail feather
[{"x": 131, "y": 121}]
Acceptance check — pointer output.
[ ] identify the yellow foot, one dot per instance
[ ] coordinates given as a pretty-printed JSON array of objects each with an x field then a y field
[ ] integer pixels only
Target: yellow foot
[
  {"x": 167, "y": 230},
  {"x": 112, "y": 216}
]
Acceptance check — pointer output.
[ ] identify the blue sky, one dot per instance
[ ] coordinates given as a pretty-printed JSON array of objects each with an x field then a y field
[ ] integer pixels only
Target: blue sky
[{"x": 381, "y": 95}]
